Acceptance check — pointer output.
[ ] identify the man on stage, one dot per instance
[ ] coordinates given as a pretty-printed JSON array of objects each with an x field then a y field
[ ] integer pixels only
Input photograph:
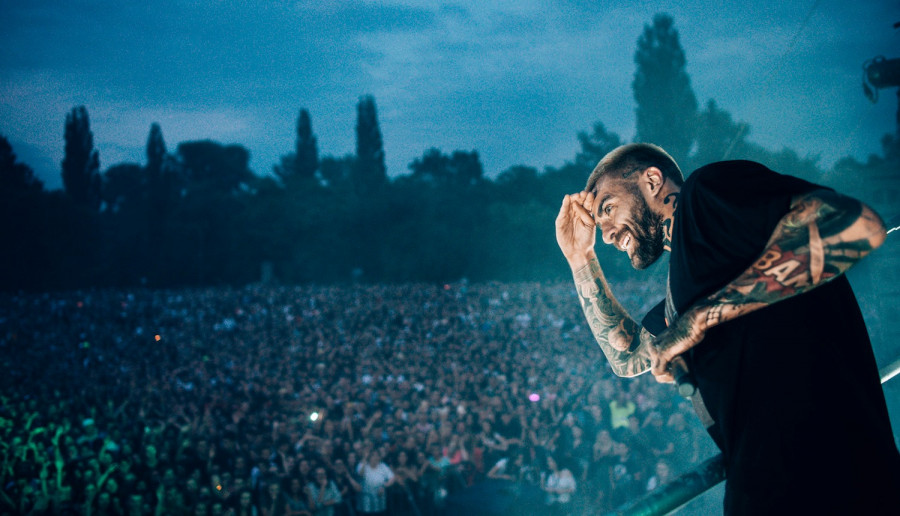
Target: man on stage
[{"x": 760, "y": 312}]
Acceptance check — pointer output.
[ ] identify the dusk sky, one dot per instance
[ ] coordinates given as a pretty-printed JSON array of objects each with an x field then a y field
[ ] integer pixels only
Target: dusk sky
[{"x": 514, "y": 80}]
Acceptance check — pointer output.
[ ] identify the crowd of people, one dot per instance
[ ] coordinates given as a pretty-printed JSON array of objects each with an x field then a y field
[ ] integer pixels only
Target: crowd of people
[{"x": 342, "y": 400}]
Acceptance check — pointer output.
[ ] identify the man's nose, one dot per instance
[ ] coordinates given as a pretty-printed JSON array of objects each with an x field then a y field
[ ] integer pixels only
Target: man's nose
[{"x": 607, "y": 232}]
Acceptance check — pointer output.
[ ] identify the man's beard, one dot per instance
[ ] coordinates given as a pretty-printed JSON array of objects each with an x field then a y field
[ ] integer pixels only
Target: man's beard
[{"x": 648, "y": 234}]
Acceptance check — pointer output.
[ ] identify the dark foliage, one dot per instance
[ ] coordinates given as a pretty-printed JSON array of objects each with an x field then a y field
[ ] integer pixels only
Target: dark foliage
[
  {"x": 81, "y": 163},
  {"x": 200, "y": 216},
  {"x": 666, "y": 105},
  {"x": 371, "y": 172}
]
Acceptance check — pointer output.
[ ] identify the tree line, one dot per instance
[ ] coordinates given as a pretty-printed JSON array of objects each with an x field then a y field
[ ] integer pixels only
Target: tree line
[{"x": 199, "y": 216}]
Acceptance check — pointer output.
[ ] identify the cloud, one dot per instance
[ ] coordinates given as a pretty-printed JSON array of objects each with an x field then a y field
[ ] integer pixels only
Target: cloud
[
  {"x": 200, "y": 51},
  {"x": 515, "y": 86},
  {"x": 514, "y": 79}
]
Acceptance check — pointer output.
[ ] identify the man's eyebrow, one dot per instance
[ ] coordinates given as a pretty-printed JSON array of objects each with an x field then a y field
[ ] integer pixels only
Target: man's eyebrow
[{"x": 602, "y": 202}]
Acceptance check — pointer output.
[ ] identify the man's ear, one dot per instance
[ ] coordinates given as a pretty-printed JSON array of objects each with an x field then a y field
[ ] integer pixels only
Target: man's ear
[{"x": 653, "y": 180}]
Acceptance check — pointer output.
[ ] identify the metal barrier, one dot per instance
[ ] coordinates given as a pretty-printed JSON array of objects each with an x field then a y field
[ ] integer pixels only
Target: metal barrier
[{"x": 684, "y": 488}]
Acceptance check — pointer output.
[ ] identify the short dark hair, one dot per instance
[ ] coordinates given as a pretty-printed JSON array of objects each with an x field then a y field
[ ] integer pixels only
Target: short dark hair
[{"x": 632, "y": 157}]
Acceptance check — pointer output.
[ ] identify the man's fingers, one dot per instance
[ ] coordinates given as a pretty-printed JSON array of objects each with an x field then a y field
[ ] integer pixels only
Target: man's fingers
[
  {"x": 664, "y": 378},
  {"x": 573, "y": 210},
  {"x": 564, "y": 212},
  {"x": 659, "y": 367},
  {"x": 583, "y": 214},
  {"x": 565, "y": 206},
  {"x": 661, "y": 372},
  {"x": 588, "y": 202}
]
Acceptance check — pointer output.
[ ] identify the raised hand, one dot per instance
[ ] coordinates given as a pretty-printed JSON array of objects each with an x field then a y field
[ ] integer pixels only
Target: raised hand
[{"x": 576, "y": 233}]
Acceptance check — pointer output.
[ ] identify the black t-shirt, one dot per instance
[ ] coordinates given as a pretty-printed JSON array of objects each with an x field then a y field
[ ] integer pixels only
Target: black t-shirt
[{"x": 793, "y": 388}]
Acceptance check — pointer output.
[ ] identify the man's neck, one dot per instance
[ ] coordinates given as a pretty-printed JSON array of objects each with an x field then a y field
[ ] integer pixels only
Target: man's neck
[{"x": 670, "y": 205}]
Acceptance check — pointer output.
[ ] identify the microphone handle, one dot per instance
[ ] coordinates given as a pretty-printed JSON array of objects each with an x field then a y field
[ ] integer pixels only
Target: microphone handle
[{"x": 683, "y": 380}]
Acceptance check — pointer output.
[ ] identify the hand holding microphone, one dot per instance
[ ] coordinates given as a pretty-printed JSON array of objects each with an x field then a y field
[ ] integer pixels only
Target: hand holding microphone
[
  {"x": 683, "y": 379},
  {"x": 674, "y": 370},
  {"x": 666, "y": 362}
]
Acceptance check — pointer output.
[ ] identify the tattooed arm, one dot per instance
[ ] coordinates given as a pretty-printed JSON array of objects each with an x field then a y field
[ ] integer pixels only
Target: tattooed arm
[
  {"x": 822, "y": 236},
  {"x": 625, "y": 344}
]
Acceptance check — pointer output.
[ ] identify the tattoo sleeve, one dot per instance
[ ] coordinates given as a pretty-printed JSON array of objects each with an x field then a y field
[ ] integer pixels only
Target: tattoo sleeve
[
  {"x": 621, "y": 339},
  {"x": 822, "y": 236}
]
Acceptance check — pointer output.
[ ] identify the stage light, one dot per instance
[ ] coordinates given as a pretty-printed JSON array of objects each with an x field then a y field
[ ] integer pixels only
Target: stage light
[
  {"x": 314, "y": 416},
  {"x": 534, "y": 397}
]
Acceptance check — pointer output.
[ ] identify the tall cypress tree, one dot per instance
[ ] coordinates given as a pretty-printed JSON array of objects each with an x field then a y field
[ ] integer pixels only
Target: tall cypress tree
[
  {"x": 157, "y": 204},
  {"x": 307, "y": 153},
  {"x": 81, "y": 163},
  {"x": 371, "y": 171},
  {"x": 666, "y": 104},
  {"x": 156, "y": 151}
]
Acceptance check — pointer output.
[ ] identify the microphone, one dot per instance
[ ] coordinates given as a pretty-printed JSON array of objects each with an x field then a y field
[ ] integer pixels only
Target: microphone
[{"x": 683, "y": 380}]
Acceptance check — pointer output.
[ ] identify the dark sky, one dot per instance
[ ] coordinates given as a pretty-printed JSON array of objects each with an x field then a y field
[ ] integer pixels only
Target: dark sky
[{"x": 514, "y": 79}]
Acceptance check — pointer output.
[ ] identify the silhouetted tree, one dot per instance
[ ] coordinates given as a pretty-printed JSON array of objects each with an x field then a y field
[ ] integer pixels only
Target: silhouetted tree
[
  {"x": 518, "y": 184},
  {"x": 81, "y": 163},
  {"x": 307, "y": 152},
  {"x": 439, "y": 210},
  {"x": 460, "y": 170},
  {"x": 124, "y": 188},
  {"x": 371, "y": 173},
  {"x": 22, "y": 260},
  {"x": 298, "y": 169},
  {"x": 431, "y": 168},
  {"x": 466, "y": 169},
  {"x": 207, "y": 225},
  {"x": 15, "y": 178},
  {"x": 156, "y": 151},
  {"x": 125, "y": 219},
  {"x": 718, "y": 136},
  {"x": 516, "y": 218},
  {"x": 519, "y": 243},
  {"x": 595, "y": 145},
  {"x": 160, "y": 197},
  {"x": 74, "y": 217},
  {"x": 315, "y": 234},
  {"x": 787, "y": 161},
  {"x": 337, "y": 173},
  {"x": 666, "y": 105},
  {"x": 211, "y": 167}
]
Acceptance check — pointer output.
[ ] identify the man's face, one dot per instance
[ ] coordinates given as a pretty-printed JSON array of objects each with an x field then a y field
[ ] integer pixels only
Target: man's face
[{"x": 627, "y": 222}]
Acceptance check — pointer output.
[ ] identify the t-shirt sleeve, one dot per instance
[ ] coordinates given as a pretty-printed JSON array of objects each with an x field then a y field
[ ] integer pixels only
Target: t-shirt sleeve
[
  {"x": 655, "y": 320},
  {"x": 726, "y": 215}
]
